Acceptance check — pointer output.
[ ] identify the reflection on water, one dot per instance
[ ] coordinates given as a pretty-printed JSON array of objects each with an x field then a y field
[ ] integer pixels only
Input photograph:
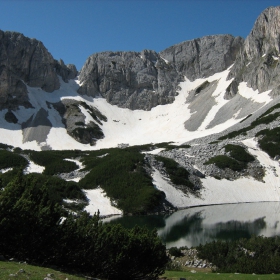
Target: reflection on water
[{"x": 194, "y": 226}]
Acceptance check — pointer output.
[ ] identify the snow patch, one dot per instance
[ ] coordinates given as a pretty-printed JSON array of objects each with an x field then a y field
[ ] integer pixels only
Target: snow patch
[
  {"x": 33, "y": 168},
  {"x": 88, "y": 117},
  {"x": 165, "y": 60},
  {"x": 254, "y": 95},
  {"x": 242, "y": 190},
  {"x": 4, "y": 170},
  {"x": 154, "y": 152},
  {"x": 99, "y": 201}
]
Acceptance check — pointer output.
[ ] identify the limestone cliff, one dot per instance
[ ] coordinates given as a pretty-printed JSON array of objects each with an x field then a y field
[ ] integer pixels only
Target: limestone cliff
[
  {"x": 257, "y": 63},
  {"x": 26, "y": 61},
  {"x": 147, "y": 79}
]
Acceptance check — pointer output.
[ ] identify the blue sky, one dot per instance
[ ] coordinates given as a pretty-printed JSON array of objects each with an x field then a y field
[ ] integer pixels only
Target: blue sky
[{"x": 74, "y": 29}]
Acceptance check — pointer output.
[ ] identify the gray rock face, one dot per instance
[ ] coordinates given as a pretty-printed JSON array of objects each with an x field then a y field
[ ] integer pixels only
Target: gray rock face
[
  {"x": 147, "y": 79},
  {"x": 257, "y": 63},
  {"x": 129, "y": 79},
  {"x": 205, "y": 56},
  {"x": 75, "y": 124},
  {"x": 67, "y": 72},
  {"x": 26, "y": 61}
]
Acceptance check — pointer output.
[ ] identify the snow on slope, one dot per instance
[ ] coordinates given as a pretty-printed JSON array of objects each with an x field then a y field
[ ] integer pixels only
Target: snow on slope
[
  {"x": 163, "y": 123},
  {"x": 33, "y": 168},
  {"x": 99, "y": 201},
  {"x": 224, "y": 191}
]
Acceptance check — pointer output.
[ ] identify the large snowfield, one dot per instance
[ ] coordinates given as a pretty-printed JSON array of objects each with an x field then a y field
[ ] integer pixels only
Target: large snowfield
[{"x": 163, "y": 123}]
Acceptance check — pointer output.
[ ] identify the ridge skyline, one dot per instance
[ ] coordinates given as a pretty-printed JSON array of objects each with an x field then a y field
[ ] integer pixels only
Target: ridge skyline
[{"x": 73, "y": 30}]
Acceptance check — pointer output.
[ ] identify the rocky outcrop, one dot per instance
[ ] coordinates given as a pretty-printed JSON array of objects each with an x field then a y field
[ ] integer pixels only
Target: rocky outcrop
[
  {"x": 83, "y": 131},
  {"x": 147, "y": 79},
  {"x": 129, "y": 79},
  {"x": 257, "y": 63},
  {"x": 205, "y": 56},
  {"x": 25, "y": 61}
]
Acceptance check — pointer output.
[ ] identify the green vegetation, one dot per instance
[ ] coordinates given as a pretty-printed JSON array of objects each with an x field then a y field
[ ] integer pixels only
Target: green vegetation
[
  {"x": 57, "y": 189},
  {"x": 265, "y": 118},
  {"x": 174, "y": 251},
  {"x": 202, "y": 275},
  {"x": 239, "y": 153},
  {"x": 9, "y": 159},
  {"x": 260, "y": 255},
  {"x": 233, "y": 134},
  {"x": 168, "y": 146},
  {"x": 237, "y": 161},
  {"x": 270, "y": 141},
  {"x": 31, "y": 272},
  {"x": 202, "y": 87},
  {"x": 120, "y": 172},
  {"x": 78, "y": 243},
  {"x": 54, "y": 161},
  {"x": 5, "y": 146},
  {"x": 246, "y": 118},
  {"x": 122, "y": 175},
  {"x": 270, "y": 110},
  {"x": 178, "y": 175},
  {"x": 223, "y": 162}
]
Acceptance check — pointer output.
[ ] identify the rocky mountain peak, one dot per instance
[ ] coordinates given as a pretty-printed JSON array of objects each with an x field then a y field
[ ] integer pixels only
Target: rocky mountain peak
[
  {"x": 25, "y": 61},
  {"x": 264, "y": 36},
  {"x": 257, "y": 63}
]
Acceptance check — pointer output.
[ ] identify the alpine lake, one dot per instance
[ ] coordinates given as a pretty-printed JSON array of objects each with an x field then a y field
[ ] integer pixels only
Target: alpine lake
[{"x": 199, "y": 225}]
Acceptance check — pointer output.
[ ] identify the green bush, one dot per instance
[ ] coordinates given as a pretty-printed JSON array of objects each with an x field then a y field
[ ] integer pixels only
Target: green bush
[
  {"x": 178, "y": 175},
  {"x": 245, "y": 118},
  {"x": 223, "y": 162},
  {"x": 169, "y": 146},
  {"x": 10, "y": 159},
  {"x": 54, "y": 161},
  {"x": 239, "y": 153},
  {"x": 260, "y": 255},
  {"x": 270, "y": 142},
  {"x": 5, "y": 146},
  {"x": 176, "y": 252}
]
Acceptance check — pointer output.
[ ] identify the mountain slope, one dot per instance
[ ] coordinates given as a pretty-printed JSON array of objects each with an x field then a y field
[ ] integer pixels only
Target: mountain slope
[{"x": 215, "y": 93}]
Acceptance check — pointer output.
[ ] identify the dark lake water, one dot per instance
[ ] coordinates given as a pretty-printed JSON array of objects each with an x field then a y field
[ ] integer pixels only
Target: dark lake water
[{"x": 194, "y": 226}]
